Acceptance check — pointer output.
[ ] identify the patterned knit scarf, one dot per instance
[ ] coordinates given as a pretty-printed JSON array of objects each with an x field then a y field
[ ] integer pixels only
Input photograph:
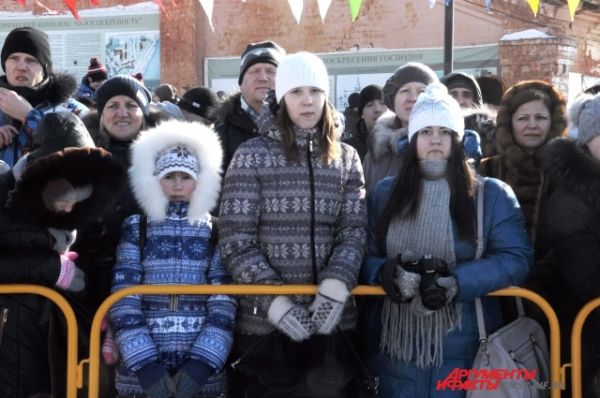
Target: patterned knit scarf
[{"x": 409, "y": 334}]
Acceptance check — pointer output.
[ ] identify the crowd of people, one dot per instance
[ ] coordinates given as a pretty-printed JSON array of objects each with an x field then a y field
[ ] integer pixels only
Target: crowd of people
[{"x": 114, "y": 185}]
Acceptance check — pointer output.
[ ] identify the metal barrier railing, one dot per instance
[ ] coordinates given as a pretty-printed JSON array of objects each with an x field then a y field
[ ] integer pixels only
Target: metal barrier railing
[
  {"x": 556, "y": 377},
  {"x": 577, "y": 382},
  {"x": 73, "y": 377}
]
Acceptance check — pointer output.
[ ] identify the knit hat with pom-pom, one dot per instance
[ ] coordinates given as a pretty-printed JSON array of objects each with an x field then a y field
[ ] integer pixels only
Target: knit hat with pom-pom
[{"x": 96, "y": 71}]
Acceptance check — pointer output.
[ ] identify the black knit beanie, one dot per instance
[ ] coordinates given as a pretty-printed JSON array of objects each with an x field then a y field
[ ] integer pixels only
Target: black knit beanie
[
  {"x": 123, "y": 85},
  {"x": 201, "y": 101},
  {"x": 368, "y": 94},
  {"x": 29, "y": 41},
  {"x": 410, "y": 72},
  {"x": 264, "y": 51}
]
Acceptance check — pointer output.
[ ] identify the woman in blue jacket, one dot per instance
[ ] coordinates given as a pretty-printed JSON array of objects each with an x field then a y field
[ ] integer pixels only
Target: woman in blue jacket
[{"x": 426, "y": 216}]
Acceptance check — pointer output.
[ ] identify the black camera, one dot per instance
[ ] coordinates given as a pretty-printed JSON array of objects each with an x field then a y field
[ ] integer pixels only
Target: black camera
[{"x": 431, "y": 269}]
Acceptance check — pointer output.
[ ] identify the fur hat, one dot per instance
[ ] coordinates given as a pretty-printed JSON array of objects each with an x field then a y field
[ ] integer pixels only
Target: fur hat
[
  {"x": 96, "y": 71},
  {"x": 299, "y": 70},
  {"x": 435, "y": 107},
  {"x": 166, "y": 92},
  {"x": 492, "y": 88},
  {"x": 264, "y": 51},
  {"x": 123, "y": 85},
  {"x": 200, "y": 143},
  {"x": 29, "y": 41},
  {"x": 463, "y": 80},
  {"x": 584, "y": 114},
  {"x": 368, "y": 94},
  {"x": 410, "y": 72},
  {"x": 201, "y": 101}
]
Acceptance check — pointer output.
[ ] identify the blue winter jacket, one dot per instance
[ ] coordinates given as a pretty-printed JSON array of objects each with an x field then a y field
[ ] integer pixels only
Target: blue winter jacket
[
  {"x": 506, "y": 260},
  {"x": 170, "y": 329}
]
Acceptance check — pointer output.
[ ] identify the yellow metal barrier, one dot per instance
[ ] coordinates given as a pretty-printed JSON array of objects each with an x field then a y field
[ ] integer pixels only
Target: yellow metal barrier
[
  {"x": 65, "y": 307},
  {"x": 576, "y": 346},
  {"x": 94, "y": 360}
]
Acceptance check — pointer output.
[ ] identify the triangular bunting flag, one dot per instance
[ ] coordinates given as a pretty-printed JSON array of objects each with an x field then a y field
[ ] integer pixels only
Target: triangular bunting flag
[
  {"x": 354, "y": 8},
  {"x": 535, "y": 5},
  {"x": 297, "y": 6},
  {"x": 160, "y": 5},
  {"x": 488, "y": 3},
  {"x": 323, "y": 8},
  {"x": 431, "y": 3},
  {"x": 573, "y": 4},
  {"x": 208, "y": 9},
  {"x": 72, "y": 6}
]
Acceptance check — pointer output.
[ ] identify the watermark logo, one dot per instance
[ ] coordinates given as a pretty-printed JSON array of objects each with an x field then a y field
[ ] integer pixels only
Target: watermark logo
[{"x": 493, "y": 379}]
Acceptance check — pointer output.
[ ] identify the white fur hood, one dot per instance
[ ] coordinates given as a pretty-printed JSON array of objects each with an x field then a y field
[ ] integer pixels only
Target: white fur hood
[
  {"x": 385, "y": 137},
  {"x": 202, "y": 141}
]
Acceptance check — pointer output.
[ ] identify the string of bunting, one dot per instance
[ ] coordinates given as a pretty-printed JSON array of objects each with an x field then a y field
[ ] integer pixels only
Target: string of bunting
[{"x": 296, "y": 6}]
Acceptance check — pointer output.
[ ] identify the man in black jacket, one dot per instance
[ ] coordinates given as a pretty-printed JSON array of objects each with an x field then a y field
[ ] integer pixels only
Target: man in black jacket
[{"x": 239, "y": 114}]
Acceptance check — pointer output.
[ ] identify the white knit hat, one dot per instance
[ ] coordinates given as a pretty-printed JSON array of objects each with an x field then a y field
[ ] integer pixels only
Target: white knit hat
[
  {"x": 299, "y": 70},
  {"x": 435, "y": 107}
]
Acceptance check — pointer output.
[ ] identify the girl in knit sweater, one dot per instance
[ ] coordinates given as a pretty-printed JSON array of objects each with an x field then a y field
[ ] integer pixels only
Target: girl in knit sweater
[{"x": 177, "y": 345}]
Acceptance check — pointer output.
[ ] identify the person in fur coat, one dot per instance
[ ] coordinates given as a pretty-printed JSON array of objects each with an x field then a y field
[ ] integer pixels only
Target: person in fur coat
[
  {"x": 64, "y": 186},
  {"x": 531, "y": 114},
  {"x": 175, "y": 177},
  {"x": 571, "y": 225},
  {"x": 30, "y": 89},
  {"x": 400, "y": 93}
]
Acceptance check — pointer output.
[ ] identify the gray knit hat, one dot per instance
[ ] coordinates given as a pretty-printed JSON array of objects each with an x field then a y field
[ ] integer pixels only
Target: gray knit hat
[
  {"x": 584, "y": 114},
  {"x": 410, "y": 72},
  {"x": 176, "y": 158}
]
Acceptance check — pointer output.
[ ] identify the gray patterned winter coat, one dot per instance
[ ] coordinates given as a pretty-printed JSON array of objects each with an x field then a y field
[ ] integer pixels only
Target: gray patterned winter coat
[{"x": 291, "y": 222}]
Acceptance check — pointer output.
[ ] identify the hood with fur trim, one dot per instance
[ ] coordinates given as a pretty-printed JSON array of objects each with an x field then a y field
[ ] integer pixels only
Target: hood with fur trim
[
  {"x": 80, "y": 167},
  {"x": 505, "y": 141},
  {"x": 202, "y": 141},
  {"x": 57, "y": 88},
  {"x": 384, "y": 137}
]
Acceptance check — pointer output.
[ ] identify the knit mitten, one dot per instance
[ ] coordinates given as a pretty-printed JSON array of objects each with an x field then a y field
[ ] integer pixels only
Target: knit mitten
[
  {"x": 70, "y": 278},
  {"x": 407, "y": 283},
  {"x": 156, "y": 381},
  {"x": 110, "y": 351},
  {"x": 291, "y": 319},
  {"x": 63, "y": 239},
  {"x": 450, "y": 284},
  {"x": 328, "y": 306},
  {"x": 191, "y": 378}
]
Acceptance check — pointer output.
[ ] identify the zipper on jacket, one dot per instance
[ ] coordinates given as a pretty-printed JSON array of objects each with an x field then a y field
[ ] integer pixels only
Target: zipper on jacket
[
  {"x": 173, "y": 302},
  {"x": 313, "y": 249},
  {"x": 3, "y": 320}
]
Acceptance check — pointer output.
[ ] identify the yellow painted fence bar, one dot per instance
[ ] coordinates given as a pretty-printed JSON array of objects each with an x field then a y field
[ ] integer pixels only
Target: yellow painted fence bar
[
  {"x": 94, "y": 360},
  {"x": 576, "y": 346},
  {"x": 65, "y": 307}
]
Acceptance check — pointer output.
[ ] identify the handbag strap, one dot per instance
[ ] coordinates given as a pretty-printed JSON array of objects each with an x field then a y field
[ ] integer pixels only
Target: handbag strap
[{"x": 478, "y": 254}]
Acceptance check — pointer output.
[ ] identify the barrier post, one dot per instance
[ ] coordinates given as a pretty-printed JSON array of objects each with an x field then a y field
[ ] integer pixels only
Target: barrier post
[
  {"x": 67, "y": 311},
  {"x": 577, "y": 390}
]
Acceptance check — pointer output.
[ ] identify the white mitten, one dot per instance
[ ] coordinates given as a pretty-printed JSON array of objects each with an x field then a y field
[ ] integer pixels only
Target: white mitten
[
  {"x": 407, "y": 283},
  {"x": 63, "y": 239},
  {"x": 291, "y": 319},
  {"x": 328, "y": 306},
  {"x": 449, "y": 283}
]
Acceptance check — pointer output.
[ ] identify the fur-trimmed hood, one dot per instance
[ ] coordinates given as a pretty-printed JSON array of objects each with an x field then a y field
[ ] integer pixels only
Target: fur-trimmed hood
[
  {"x": 202, "y": 141},
  {"x": 384, "y": 137},
  {"x": 571, "y": 168},
  {"x": 505, "y": 141},
  {"x": 57, "y": 88},
  {"x": 80, "y": 167},
  {"x": 227, "y": 107}
]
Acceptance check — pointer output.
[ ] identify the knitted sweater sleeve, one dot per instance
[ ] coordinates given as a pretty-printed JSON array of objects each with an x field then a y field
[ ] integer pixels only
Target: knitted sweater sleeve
[
  {"x": 216, "y": 334},
  {"x": 239, "y": 221},
  {"x": 508, "y": 253},
  {"x": 130, "y": 329},
  {"x": 350, "y": 234}
]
